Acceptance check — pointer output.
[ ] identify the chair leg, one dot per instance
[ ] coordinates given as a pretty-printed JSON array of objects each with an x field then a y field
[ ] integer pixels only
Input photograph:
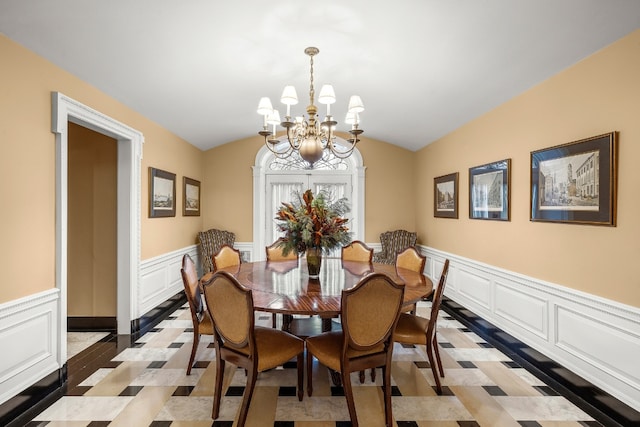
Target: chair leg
[
  {"x": 386, "y": 389},
  {"x": 437, "y": 352},
  {"x": 348, "y": 393},
  {"x": 248, "y": 394},
  {"x": 300, "y": 366},
  {"x": 361, "y": 376},
  {"x": 194, "y": 349},
  {"x": 434, "y": 371},
  {"x": 309, "y": 373},
  {"x": 273, "y": 320},
  {"x": 217, "y": 394},
  {"x": 373, "y": 375}
]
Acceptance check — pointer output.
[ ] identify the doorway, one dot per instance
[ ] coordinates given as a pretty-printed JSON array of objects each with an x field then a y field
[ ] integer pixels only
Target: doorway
[
  {"x": 129, "y": 156},
  {"x": 91, "y": 243}
]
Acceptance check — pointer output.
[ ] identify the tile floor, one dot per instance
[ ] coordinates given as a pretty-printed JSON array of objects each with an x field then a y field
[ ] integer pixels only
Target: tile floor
[{"x": 145, "y": 384}]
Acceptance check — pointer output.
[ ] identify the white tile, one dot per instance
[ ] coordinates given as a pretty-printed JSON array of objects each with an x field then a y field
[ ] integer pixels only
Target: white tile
[
  {"x": 547, "y": 408},
  {"x": 85, "y": 408},
  {"x": 96, "y": 377},
  {"x": 167, "y": 377},
  {"x": 432, "y": 408},
  {"x": 144, "y": 354}
]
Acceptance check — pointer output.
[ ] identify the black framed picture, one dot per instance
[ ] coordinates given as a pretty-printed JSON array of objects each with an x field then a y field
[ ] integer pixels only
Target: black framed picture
[
  {"x": 190, "y": 197},
  {"x": 489, "y": 191},
  {"x": 445, "y": 191},
  {"x": 576, "y": 182},
  {"x": 162, "y": 193}
]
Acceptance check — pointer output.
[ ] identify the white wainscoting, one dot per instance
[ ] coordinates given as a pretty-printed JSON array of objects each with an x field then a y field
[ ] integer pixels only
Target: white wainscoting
[
  {"x": 595, "y": 338},
  {"x": 29, "y": 341},
  {"x": 160, "y": 277}
]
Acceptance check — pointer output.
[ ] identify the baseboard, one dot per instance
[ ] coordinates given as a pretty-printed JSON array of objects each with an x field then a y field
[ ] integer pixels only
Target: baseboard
[
  {"x": 88, "y": 323},
  {"x": 151, "y": 318}
]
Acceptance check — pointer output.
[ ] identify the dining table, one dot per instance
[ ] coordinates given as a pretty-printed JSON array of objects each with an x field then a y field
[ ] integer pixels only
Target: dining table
[{"x": 285, "y": 287}]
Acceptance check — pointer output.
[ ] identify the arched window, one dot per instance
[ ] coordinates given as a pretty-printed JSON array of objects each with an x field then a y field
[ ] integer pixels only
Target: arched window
[{"x": 275, "y": 179}]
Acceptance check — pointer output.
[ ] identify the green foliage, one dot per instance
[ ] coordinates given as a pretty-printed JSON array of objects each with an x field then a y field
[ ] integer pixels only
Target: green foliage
[{"x": 313, "y": 222}]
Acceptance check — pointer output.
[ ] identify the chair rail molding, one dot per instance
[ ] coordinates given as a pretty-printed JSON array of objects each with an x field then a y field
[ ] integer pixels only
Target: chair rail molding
[{"x": 557, "y": 321}]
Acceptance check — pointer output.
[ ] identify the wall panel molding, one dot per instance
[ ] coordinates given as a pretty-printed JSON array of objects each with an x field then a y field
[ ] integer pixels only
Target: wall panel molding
[
  {"x": 29, "y": 329},
  {"x": 596, "y": 338}
]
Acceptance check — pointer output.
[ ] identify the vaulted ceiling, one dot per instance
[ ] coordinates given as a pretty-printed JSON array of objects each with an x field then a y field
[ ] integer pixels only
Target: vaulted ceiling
[{"x": 422, "y": 67}]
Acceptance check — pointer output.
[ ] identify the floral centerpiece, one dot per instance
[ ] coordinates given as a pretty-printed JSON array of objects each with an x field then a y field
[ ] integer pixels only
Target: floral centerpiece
[{"x": 313, "y": 224}]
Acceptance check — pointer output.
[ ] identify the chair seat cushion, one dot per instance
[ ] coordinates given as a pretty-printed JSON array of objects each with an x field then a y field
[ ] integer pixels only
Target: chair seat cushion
[
  {"x": 327, "y": 348},
  {"x": 411, "y": 329},
  {"x": 275, "y": 347}
]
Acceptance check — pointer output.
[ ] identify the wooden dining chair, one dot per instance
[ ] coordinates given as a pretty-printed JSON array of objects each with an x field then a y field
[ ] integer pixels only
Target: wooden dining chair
[
  {"x": 357, "y": 251},
  {"x": 200, "y": 318},
  {"x": 238, "y": 341},
  {"x": 275, "y": 254},
  {"x": 417, "y": 330},
  {"x": 411, "y": 259},
  {"x": 365, "y": 340},
  {"x": 225, "y": 257}
]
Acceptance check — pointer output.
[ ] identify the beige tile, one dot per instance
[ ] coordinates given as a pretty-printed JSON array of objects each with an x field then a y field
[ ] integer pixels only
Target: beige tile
[
  {"x": 118, "y": 379},
  {"x": 483, "y": 407},
  {"x": 457, "y": 339},
  {"x": 438, "y": 424},
  {"x": 205, "y": 385},
  {"x": 163, "y": 338},
  {"x": 559, "y": 423},
  {"x": 262, "y": 411},
  {"x": 321, "y": 380},
  {"x": 141, "y": 411},
  {"x": 508, "y": 381},
  {"x": 369, "y": 403},
  {"x": 69, "y": 423},
  {"x": 180, "y": 359},
  {"x": 314, "y": 424},
  {"x": 409, "y": 380}
]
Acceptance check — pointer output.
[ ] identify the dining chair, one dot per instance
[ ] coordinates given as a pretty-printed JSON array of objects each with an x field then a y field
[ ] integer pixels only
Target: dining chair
[
  {"x": 417, "y": 330},
  {"x": 200, "y": 318},
  {"x": 238, "y": 341},
  {"x": 357, "y": 251},
  {"x": 366, "y": 338},
  {"x": 411, "y": 259},
  {"x": 225, "y": 257},
  {"x": 275, "y": 254}
]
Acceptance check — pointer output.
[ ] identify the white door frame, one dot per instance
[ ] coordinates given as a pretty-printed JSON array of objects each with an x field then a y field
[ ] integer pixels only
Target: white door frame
[
  {"x": 263, "y": 159},
  {"x": 129, "y": 143}
]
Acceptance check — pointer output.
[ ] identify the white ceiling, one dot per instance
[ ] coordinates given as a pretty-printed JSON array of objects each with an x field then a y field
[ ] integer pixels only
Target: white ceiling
[{"x": 422, "y": 67}]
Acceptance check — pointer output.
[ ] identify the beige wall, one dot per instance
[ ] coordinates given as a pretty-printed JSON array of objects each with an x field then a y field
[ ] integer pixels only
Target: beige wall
[
  {"x": 92, "y": 209},
  {"x": 228, "y": 198},
  {"x": 598, "y": 95},
  {"x": 27, "y": 220}
]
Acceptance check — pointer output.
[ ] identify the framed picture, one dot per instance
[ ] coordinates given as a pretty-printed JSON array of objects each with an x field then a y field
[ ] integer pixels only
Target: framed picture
[
  {"x": 445, "y": 190},
  {"x": 576, "y": 182},
  {"x": 162, "y": 193},
  {"x": 190, "y": 197},
  {"x": 489, "y": 188}
]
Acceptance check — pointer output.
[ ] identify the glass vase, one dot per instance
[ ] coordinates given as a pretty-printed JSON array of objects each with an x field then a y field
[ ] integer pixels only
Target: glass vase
[{"x": 314, "y": 262}]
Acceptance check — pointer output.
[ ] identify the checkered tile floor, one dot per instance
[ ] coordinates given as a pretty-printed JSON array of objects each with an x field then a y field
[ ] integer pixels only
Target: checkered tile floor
[{"x": 146, "y": 385}]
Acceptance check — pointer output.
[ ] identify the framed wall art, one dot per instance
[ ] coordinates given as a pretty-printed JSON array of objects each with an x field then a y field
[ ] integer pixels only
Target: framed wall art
[
  {"x": 162, "y": 193},
  {"x": 445, "y": 190},
  {"x": 576, "y": 182},
  {"x": 190, "y": 197},
  {"x": 489, "y": 191}
]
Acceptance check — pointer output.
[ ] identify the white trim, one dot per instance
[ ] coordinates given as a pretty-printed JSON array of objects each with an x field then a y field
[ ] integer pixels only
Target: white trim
[
  {"x": 260, "y": 169},
  {"x": 29, "y": 336},
  {"x": 64, "y": 110},
  {"x": 596, "y": 338}
]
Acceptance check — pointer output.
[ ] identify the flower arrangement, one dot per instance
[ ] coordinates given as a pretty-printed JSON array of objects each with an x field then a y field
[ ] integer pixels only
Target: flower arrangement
[{"x": 313, "y": 222}]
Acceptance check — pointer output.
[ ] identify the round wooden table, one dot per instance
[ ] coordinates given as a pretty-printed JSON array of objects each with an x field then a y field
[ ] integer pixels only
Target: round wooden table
[{"x": 284, "y": 286}]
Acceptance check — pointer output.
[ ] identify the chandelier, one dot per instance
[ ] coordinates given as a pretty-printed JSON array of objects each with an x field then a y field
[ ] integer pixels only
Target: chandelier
[{"x": 310, "y": 137}]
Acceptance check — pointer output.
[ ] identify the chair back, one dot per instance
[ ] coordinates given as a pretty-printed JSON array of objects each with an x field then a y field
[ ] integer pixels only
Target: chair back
[
  {"x": 225, "y": 257},
  {"x": 437, "y": 300},
  {"x": 274, "y": 253},
  {"x": 230, "y": 306},
  {"x": 411, "y": 259},
  {"x": 191, "y": 288},
  {"x": 210, "y": 242},
  {"x": 357, "y": 251},
  {"x": 366, "y": 322}
]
